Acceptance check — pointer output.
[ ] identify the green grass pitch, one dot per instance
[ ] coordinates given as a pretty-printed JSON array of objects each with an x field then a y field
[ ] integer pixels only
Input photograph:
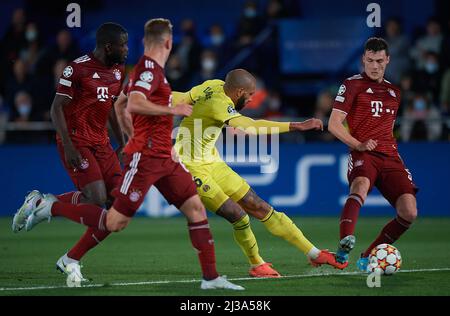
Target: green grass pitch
[{"x": 155, "y": 257}]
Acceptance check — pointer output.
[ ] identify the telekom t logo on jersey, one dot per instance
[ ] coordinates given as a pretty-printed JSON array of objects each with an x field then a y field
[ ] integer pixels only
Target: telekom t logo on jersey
[
  {"x": 102, "y": 94},
  {"x": 377, "y": 108}
]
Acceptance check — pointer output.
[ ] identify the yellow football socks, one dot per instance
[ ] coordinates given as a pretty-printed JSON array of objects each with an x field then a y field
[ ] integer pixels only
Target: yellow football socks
[
  {"x": 282, "y": 226},
  {"x": 246, "y": 239}
]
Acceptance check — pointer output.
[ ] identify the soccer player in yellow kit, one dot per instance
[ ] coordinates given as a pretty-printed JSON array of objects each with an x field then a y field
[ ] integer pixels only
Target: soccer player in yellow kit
[{"x": 223, "y": 191}]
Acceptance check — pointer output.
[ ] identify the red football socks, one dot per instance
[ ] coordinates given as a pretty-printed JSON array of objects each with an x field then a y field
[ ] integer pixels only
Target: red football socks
[
  {"x": 70, "y": 197},
  {"x": 202, "y": 240},
  {"x": 91, "y": 238},
  {"x": 390, "y": 233},
  {"x": 86, "y": 214},
  {"x": 350, "y": 214}
]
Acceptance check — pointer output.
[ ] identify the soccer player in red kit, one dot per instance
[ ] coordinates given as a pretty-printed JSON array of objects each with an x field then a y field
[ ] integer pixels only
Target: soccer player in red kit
[
  {"x": 82, "y": 106},
  {"x": 148, "y": 161},
  {"x": 370, "y": 105}
]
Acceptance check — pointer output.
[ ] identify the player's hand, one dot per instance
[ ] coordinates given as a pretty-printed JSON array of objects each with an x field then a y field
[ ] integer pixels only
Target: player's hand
[
  {"x": 183, "y": 110},
  {"x": 73, "y": 156},
  {"x": 368, "y": 145},
  {"x": 307, "y": 125}
]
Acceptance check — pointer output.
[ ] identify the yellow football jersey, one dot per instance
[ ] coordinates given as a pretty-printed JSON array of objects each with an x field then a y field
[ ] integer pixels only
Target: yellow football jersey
[{"x": 198, "y": 133}]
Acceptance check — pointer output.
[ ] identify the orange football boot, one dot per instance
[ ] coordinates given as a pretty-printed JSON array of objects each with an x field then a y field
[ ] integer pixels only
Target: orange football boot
[
  {"x": 264, "y": 270},
  {"x": 326, "y": 257}
]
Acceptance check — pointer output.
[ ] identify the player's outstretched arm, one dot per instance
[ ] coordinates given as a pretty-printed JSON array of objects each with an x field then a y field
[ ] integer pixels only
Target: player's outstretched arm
[
  {"x": 181, "y": 98},
  {"x": 123, "y": 116},
  {"x": 254, "y": 127},
  {"x": 337, "y": 128},
  {"x": 72, "y": 155},
  {"x": 138, "y": 104}
]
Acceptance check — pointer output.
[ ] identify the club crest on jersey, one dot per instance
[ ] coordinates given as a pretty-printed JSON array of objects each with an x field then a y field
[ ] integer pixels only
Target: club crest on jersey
[
  {"x": 206, "y": 188},
  {"x": 84, "y": 164},
  {"x": 146, "y": 76},
  {"x": 342, "y": 89},
  {"x": 231, "y": 109},
  {"x": 392, "y": 93},
  {"x": 135, "y": 195},
  {"x": 117, "y": 74},
  {"x": 68, "y": 71}
]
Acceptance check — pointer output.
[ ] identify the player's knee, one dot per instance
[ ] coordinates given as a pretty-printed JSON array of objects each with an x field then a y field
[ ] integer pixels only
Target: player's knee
[
  {"x": 360, "y": 186},
  {"x": 97, "y": 198},
  {"x": 408, "y": 213},
  {"x": 116, "y": 227}
]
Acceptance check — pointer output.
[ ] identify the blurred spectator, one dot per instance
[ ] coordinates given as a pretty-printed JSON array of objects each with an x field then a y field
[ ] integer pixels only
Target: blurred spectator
[
  {"x": 250, "y": 23},
  {"x": 428, "y": 79},
  {"x": 218, "y": 43},
  {"x": 32, "y": 52},
  {"x": 431, "y": 42},
  {"x": 258, "y": 105},
  {"x": 421, "y": 121},
  {"x": 445, "y": 49},
  {"x": 323, "y": 108},
  {"x": 407, "y": 94},
  {"x": 189, "y": 48},
  {"x": 275, "y": 10},
  {"x": 175, "y": 74},
  {"x": 445, "y": 93},
  {"x": 65, "y": 48},
  {"x": 208, "y": 67},
  {"x": 398, "y": 51},
  {"x": 20, "y": 80},
  {"x": 12, "y": 43},
  {"x": 273, "y": 108},
  {"x": 23, "y": 106}
]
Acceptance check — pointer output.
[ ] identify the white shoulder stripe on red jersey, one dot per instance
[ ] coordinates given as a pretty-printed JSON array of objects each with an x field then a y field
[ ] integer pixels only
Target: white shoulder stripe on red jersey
[
  {"x": 334, "y": 109},
  {"x": 66, "y": 95},
  {"x": 139, "y": 93}
]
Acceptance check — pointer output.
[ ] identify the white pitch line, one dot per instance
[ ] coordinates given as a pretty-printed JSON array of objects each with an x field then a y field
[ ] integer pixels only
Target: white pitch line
[{"x": 299, "y": 276}]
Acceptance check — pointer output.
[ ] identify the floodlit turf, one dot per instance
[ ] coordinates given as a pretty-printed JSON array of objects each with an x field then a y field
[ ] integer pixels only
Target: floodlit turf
[{"x": 154, "y": 251}]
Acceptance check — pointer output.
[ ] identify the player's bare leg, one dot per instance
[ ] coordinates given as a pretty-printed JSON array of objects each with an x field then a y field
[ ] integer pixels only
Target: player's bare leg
[
  {"x": 282, "y": 226},
  {"x": 202, "y": 240},
  {"x": 349, "y": 216},
  {"x": 406, "y": 206}
]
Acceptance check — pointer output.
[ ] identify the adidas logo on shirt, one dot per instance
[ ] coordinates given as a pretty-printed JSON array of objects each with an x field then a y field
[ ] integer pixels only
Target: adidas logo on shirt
[
  {"x": 96, "y": 76},
  {"x": 369, "y": 90}
]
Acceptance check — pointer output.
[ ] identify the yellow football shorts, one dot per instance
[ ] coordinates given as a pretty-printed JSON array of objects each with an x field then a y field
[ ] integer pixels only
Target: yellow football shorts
[{"x": 216, "y": 182}]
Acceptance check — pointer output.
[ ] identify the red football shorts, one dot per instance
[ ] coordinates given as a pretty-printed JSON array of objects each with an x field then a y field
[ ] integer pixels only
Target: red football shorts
[
  {"x": 171, "y": 179},
  {"x": 388, "y": 174},
  {"x": 99, "y": 163}
]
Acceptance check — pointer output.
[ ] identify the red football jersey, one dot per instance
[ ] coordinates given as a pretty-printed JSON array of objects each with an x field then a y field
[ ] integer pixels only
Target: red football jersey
[
  {"x": 152, "y": 133},
  {"x": 371, "y": 109},
  {"x": 92, "y": 87}
]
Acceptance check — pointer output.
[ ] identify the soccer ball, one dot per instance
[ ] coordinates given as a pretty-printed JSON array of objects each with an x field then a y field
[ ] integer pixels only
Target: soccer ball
[{"x": 384, "y": 259}]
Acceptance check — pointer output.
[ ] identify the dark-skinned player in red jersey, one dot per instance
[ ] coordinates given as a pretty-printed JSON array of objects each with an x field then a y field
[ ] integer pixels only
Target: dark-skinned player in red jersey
[
  {"x": 148, "y": 161},
  {"x": 370, "y": 105},
  {"x": 80, "y": 111}
]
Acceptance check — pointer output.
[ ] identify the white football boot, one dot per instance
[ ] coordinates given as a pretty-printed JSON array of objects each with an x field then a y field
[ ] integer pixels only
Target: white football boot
[
  {"x": 25, "y": 210},
  {"x": 220, "y": 282},
  {"x": 71, "y": 268},
  {"x": 41, "y": 212}
]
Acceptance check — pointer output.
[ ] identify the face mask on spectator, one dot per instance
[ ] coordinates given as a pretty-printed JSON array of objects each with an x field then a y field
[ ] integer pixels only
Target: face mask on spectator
[
  {"x": 420, "y": 105},
  {"x": 217, "y": 39},
  {"x": 24, "y": 109},
  {"x": 208, "y": 64},
  {"x": 31, "y": 35},
  {"x": 250, "y": 12},
  {"x": 431, "y": 67}
]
